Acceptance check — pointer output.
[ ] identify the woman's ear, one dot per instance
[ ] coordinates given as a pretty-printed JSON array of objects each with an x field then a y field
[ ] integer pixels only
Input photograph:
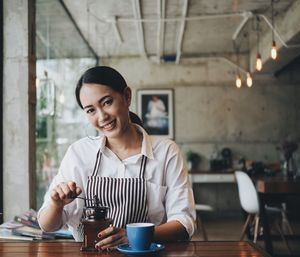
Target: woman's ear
[{"x": 127, "y": 95}]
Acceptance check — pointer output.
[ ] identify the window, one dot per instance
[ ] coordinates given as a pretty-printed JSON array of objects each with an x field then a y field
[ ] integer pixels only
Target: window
[{"x": 59, "y": 120}]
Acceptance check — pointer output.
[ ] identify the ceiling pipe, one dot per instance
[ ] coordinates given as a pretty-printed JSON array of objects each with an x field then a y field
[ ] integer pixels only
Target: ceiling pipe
[
  {"x": 193, "y": 18},
  {"x": 277, "y": 34},
  {"x": 140, "y": 33},
  {"x": 160, "y": 28},
  {"x": 246, "y": 17},
  {"x": 217, "y": 16},
  {"x": 181, "y": 31}
]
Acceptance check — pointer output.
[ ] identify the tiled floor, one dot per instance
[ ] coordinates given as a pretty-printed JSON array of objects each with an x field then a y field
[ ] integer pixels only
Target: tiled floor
[{"x": 229, "y": 229}]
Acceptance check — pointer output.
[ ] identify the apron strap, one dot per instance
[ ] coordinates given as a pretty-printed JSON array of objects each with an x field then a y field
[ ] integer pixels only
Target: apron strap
[
  {"x": 143, "y": 166},
  {"x": 97, "y": 163}
]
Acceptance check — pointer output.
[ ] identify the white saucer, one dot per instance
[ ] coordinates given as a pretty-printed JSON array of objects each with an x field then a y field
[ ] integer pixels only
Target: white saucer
[{"x": 126, "y": 248}]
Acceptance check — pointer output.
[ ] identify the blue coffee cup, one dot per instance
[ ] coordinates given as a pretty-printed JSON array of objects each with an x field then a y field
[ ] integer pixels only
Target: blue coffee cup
[{"x": 140, "y": 235}]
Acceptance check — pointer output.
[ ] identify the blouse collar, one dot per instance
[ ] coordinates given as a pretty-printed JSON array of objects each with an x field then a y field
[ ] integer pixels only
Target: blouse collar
[{"x": 146, "y": 143}]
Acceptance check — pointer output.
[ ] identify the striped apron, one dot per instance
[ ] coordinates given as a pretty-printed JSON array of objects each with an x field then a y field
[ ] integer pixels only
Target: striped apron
[{"x": 125, "y": 197}]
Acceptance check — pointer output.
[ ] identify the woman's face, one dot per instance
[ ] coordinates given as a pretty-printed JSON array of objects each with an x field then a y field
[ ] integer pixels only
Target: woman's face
[{"x": 106, "y": 109}]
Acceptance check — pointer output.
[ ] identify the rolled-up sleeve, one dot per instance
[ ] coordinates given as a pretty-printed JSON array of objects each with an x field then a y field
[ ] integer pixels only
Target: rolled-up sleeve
[
  {"x": 179, "y": 200},
  {"x": 65, "y": 174},
  {"x": 56, "y": 181}
]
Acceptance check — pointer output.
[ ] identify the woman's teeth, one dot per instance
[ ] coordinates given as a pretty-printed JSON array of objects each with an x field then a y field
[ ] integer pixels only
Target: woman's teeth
[{"x": 109, "y": 125}]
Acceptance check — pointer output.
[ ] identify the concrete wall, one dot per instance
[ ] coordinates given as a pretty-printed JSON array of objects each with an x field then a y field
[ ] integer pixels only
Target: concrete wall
[
  {"x": 211, "y": 113},
  {"x": 17, "y": 107}
]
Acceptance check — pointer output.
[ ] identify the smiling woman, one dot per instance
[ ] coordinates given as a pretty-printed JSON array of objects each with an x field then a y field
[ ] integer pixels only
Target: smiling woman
[
  {"x": 140, "y": 178},
  {"x": 106, "y": 109}
]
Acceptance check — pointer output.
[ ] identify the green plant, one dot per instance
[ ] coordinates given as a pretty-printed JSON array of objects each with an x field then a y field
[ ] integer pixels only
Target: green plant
[{"x": 192, "y": 157}]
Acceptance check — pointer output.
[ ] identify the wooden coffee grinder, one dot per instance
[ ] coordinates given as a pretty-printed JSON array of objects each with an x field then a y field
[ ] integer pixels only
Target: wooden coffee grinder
[{"x": 94, "y": 220}]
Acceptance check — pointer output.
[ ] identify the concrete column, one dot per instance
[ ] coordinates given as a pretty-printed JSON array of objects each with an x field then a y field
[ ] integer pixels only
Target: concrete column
[{"x": 18, "y": 106}]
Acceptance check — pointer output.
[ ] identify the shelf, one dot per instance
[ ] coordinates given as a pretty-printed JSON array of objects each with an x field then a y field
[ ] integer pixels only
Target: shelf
[{"x": 212, "y": 178}]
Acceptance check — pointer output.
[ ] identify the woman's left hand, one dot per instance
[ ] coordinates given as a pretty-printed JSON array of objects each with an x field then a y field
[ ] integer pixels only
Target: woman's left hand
[{"x": 111, "y": 237}]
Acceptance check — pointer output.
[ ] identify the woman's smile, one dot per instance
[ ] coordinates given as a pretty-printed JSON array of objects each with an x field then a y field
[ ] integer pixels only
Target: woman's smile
[{"x": 109, "y": 126}]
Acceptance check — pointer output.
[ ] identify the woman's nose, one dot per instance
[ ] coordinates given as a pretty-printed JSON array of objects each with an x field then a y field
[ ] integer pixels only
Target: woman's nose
[{"x": 102, "y": 115}]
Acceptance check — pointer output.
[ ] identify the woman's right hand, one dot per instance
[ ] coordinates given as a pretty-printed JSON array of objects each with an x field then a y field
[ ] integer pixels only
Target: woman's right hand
[{"x": 64, "y": 193}]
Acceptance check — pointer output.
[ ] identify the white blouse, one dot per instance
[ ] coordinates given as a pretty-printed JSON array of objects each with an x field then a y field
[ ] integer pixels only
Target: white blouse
[{"x": 169, "y": 194}]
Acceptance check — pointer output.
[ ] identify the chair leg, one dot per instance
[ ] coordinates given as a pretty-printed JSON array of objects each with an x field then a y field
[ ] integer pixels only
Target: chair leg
[
  {"x": 256, "y": 228},
  {"x": 200, "y": 224},
  {"x": 285, "y": 222},
  {"x": 245, "y": 227},
  {"x": 283, "y": 238}
]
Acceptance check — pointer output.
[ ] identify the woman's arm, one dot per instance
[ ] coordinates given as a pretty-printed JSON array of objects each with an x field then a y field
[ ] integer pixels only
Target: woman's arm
[
  {"x": 170, "y": 231},
  {"x": 179, "y": 199},
  {"x": 50, "y": 218}
]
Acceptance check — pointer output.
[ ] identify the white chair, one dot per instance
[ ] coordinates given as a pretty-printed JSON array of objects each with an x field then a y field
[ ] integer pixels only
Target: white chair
[
  {"x": 250, "y": 203},
  {"x": 202, "y": 208}
]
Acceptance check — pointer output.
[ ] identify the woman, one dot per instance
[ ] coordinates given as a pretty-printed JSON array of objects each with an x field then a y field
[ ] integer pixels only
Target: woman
[{"x": 139, "y": 177}]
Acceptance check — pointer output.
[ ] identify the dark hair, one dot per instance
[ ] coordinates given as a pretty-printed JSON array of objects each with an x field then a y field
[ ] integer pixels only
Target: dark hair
[
  {"x": 134, "y": 118},
  {"x": 101, "y": 75}
]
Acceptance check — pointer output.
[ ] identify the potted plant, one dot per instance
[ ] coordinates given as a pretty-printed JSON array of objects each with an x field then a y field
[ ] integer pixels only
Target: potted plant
[{"x": 193, "y": 160}]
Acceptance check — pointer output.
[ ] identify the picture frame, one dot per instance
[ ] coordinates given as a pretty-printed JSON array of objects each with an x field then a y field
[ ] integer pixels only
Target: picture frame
[{"x": 156, "y": 109}]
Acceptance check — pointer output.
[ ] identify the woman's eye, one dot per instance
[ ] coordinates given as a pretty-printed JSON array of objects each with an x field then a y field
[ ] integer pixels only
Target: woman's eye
[
  {"x": 108, "y": 102},
  {"x": 90, "y": 111}
]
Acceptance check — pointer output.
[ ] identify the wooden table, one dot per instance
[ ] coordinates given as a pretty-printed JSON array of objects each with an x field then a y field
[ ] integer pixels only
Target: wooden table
[
  {"x": 278, "y": 185},
  {"x": 269, "y": 188},
  {"x": 72, "y": 249}
]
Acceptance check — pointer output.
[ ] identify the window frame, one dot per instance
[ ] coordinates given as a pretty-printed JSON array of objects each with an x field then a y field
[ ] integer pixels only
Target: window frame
[{"x": 1, "y": 111}]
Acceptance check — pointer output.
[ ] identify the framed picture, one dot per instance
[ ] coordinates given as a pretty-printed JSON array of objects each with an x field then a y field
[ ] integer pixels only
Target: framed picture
[{"x": 155, "y": 107}]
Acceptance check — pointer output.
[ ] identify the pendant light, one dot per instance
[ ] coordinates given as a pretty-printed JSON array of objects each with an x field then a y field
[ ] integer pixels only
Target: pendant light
[
  {"x": 258, "y": 56},
  {"x": 249, "y": 80},
  {"x": 238, "y": 80},
  {"x": 273, "y": 49},
  {"x": 258, "y": 62}
]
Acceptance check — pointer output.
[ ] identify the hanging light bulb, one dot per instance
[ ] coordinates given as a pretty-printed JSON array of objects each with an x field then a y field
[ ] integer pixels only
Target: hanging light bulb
[
  {"x": 249, "y": 80},
  {"x": 238, "y": 81},
  {"x": 258, "y": 56},
  {"x": 258, "y": 62},
  {"x": 274, "y": 50}
]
